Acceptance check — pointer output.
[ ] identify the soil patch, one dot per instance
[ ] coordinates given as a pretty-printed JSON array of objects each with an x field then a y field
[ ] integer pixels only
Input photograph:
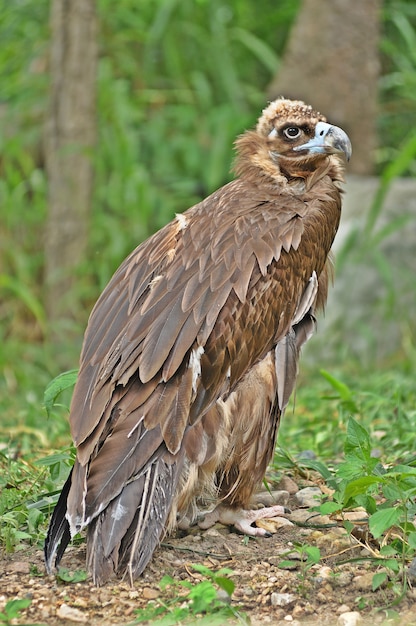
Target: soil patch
[{"x": 335, "y": 591}]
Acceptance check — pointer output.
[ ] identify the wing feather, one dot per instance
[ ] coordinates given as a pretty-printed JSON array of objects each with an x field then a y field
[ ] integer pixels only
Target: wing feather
[{"x": 160, "y": 340}]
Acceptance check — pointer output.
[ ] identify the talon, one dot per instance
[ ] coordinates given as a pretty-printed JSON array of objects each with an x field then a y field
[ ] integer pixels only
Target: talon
[{"x": 242, "y": 519}]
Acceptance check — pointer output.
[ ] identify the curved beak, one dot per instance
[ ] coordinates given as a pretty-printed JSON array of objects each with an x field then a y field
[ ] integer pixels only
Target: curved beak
[{"x": 328, "y": 139}]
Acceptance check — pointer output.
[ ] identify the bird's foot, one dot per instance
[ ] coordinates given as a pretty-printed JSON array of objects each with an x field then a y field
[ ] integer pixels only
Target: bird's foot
[{"x": 242, "y": 519}]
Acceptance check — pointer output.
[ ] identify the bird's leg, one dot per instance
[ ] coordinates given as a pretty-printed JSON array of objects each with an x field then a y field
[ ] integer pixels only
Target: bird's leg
[{"x": 242, "y": 519}]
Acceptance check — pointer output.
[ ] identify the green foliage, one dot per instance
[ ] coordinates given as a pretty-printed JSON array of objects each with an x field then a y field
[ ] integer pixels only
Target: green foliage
[
  {"x": 200, "y": 602},
  {"x": 318, "y": 418},
  {"x": 13, "y": 609},
  {"x": 60, "y": 383},
  {"x": 398, "y": 82},
  {"x": 386, "y": 489},
  {"x": 168, "y": 116},
  {"x": 387, "y": 495},
  {"x": 309, "y": 556},
  {"x": 28, "y": 490},
  {"x": 306, "y": 557},
  {"x": 67, "y": 576}
]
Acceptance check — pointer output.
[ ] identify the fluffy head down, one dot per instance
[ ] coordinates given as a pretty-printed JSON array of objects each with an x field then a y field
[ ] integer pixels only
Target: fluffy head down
[{"x": 287, "y": 111}]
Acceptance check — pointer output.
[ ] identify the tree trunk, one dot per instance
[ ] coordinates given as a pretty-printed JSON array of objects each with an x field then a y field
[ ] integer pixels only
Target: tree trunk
[
  {"x": 331, "y": 61},
  {"x": 70, "y": 132}
]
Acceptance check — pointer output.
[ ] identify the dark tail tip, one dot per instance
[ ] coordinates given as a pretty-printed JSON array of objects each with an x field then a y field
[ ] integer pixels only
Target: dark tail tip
[{"x": 59, "y": 534}]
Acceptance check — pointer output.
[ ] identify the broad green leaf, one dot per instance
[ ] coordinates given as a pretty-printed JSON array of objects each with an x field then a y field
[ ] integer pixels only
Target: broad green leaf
[
  {"x": 392, "y": 491},
  {"x": 357, "y": 443},
  {"x": 57, "y": 386},
  {"x": 288, "y": 564},
  {"x": 402, "y": 471},
  {"x": 13, "y": 608},
  {"x": 349, "y": 526},
  {"x": 318, "y": 466},
  {"x": 314, "y": 554},
  {"x": 226, "y": 584},
  {"x": 360, "y": 486},
  {"x": 68, "y": 576},
  {"x": 329, "y": 507},
  {"x": 378, "y": 579},
  {"x": 203, "y": 569},
  {"x": 53, "y": 459},
  {"x": 382, "y": 520},
  {"x": 388, "y": 550},
  {"x": 392, "y": 564}
]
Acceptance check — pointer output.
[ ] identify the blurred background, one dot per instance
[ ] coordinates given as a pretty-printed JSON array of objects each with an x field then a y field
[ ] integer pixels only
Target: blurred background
[{"x": 117, "y": 115}]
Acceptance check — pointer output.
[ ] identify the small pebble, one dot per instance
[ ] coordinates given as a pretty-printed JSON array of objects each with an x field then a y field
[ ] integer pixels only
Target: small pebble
[
  {"x": 364, "y": 582},
  {"x": 272, "y": 524},
  {"x": 309, "y": 496},
  {"x": 304, "y": 516},
  {"x": 287, "y": 484},
  {"x": 307, "y": 454},
  {"x": 223, "y": 596},
  {"x": 343, "y": 579},
  {"x": 282, "y": 599},
  {"x": 350, "y": 618},
  {"x": 324, "y": 572},
  {"x": 212, "y": 532},
  {"x": 72, "y": 614},
  {"x": 150, "y": 594},
  {"x": 271, "y": 498},
  {"x": 298, "y": 611}
]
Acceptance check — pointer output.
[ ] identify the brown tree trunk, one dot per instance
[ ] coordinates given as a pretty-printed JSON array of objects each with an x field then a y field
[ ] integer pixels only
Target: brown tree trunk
[
  {"x": 331, "y": 61},
  {"x": 70, "y": 132}
]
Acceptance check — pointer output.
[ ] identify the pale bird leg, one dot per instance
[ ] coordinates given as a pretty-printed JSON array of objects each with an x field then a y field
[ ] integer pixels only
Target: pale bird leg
[{"x": 242, "y": 519}]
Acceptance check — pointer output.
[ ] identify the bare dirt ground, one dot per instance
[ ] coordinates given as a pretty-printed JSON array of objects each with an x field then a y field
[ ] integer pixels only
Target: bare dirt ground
[{"x": 335, "y": 591}]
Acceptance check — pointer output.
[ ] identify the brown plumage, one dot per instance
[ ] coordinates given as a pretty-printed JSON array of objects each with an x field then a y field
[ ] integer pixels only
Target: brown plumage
[{"x": 191, "y": 352}]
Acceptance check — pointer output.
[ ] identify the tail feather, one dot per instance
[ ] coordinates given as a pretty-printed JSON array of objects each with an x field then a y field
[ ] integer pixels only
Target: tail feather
[
  {"x": 59, "y": 534},
  {"x": 123, "y": 537}
]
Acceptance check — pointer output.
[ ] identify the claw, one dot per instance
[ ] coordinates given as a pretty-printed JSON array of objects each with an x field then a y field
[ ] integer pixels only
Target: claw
[{"x": 242, "y": 519}]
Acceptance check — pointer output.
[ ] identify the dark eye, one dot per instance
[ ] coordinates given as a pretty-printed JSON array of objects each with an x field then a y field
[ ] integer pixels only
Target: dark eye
[{"x": 292, "y": 132}]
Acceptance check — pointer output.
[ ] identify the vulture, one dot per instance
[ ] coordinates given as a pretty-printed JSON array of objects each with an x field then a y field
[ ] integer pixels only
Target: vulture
[{"x": 191, "y": 351}]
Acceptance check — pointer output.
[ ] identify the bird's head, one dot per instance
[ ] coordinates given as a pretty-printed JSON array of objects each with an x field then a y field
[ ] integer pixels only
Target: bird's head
[{"x": 291, "y": 142}]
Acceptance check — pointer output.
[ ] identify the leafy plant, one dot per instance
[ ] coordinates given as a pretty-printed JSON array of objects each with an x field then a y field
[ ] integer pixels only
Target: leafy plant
[
  {"x": 307, "y": 557},
  {"x": 387, "y": 495},
  {"x": 56, "y": 387},
  {"x": 13, "y": 609},
  {"x": 190, "y": 602},
  {"x": 68, "y": 576},
  {"x": 27, "y": 495}
]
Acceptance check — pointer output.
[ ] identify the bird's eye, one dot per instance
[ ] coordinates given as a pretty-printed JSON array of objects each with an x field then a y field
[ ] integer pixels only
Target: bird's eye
[{"x": 291, "y": 132}]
